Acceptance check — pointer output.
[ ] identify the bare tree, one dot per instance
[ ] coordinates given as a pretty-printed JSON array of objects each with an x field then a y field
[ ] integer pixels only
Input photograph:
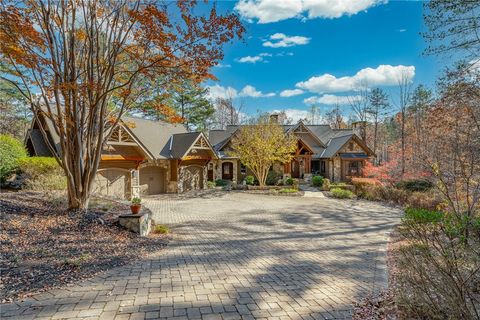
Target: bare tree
[
  {"x": 360, "y": 107},
  {"x": 334, "y": 118},
  {"x": 228, "y": 112},
  {"x": 404, "y": 95},
  {"x": 91, "y": 60}
]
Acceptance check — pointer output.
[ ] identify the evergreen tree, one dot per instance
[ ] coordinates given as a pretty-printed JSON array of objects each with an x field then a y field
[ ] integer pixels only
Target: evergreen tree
[{"x": 377, "y": 110}]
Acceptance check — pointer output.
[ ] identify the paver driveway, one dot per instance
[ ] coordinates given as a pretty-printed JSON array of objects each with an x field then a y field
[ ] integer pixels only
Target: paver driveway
[{"x": 236, "y": 255}]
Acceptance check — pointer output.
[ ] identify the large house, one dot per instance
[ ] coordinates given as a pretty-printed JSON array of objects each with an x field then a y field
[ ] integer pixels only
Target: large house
[
  {"x": 141, "y": 157},
  {"x": 336, "y": 154},
  {"x": 144, "y": 157}
]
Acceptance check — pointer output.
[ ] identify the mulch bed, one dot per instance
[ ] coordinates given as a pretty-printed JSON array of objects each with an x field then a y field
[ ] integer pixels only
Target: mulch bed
[{"x": 44, "y": 246}]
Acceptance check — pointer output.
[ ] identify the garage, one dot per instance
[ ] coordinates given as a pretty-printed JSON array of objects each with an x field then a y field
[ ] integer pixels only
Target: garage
[
  {"x": 152, "y": 180},
  {"x": 113, "y": 183},
  {"x": 192, "y": 177}
]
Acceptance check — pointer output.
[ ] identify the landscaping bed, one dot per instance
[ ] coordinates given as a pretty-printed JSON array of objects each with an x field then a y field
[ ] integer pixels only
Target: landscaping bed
[{"x": 45, "y": 246}]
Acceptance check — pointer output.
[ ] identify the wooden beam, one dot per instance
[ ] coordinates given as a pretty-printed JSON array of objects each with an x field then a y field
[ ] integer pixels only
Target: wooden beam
[
  {"x": 121, "y": 143},
  {"x": 120, "y": 157}
]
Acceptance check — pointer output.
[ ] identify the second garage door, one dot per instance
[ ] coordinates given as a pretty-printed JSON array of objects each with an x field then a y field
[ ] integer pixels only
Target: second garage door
[
  {"x": 152, "y": 180},
  {"x": 112, "y": 182}
]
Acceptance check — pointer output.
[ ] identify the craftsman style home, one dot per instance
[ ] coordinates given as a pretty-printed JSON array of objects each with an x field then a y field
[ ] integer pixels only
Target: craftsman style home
[
  {"x": 145, "y": 157},
  {"x": 141, "y": 157},
  {"x": 336, "y": 154}
]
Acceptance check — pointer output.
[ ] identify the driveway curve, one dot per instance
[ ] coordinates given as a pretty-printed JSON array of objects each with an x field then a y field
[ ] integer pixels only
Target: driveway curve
[{"x": 239, "y": 256}]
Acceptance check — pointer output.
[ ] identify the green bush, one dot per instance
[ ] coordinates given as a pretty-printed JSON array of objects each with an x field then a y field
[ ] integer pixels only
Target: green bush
[
  {"x": 161, "y": 229},
  {"x": 289, "y": 182},
  {"x": 249, "y": 180},
  {"x": 211, "y": 184},
  {"x": 42, "y": 173},
  {"x": 317, "y": 181},
  {"x": 11, "y": 150},
  {"x": 415, "y": 185},
  {"x": 273, "y": 177},
  {"x": 221, "y": 182},
  {"x": 341, "y": 193}
]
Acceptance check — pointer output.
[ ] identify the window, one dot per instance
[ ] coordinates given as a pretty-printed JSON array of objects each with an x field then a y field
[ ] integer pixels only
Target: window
[
  {"x": 354, "y": 168},
  {"x": 226, "y": 169},
  {"x": 350, "y": 146},
  {"x": 322, "y": 167},
  {"x": 243, "y": 169}
]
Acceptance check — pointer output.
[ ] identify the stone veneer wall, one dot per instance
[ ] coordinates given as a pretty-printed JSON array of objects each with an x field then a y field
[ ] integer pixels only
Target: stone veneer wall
[
  {"x": 218, "y": 169},
  {"x": 138, "y": 223},
  {"x": 337, "y": 169},
  {"x": 181, "y": 176}
]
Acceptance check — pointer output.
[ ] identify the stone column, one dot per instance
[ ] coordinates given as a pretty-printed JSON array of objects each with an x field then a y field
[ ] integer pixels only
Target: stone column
[{"x": 135, "y": 183}]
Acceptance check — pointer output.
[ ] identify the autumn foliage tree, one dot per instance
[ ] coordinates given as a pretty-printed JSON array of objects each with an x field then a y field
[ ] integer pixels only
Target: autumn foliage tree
[
  {"x": 82, "y": 64},
  {"x": 260, "y": 145}
]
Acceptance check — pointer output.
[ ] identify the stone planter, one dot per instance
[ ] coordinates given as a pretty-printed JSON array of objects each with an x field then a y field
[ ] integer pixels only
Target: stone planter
[{"x": 138, "y": 223}]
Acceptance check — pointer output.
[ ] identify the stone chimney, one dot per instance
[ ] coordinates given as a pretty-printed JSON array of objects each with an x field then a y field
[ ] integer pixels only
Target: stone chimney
[
  {"x": 360, "y": 128},
  {"x": 274, "y": 118}
]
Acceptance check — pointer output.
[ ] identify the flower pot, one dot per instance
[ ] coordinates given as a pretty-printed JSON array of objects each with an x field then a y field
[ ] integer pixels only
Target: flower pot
[{"x": 135, "y": 208}]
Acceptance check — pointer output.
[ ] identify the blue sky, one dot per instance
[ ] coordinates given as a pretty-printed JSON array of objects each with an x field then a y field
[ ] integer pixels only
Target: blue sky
[{"x": 321, "y": 52}]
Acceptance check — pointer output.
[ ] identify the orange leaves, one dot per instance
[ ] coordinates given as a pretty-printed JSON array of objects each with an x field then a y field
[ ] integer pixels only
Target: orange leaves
[{"x": 168, "y": 113}]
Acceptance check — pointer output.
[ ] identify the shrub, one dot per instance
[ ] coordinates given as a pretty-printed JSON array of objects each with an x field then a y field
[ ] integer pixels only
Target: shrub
[
  {"x": 161, "y": 229},
  {"x": 211, "y": 184},
  {"x": 341, "y": 193},
  {"x": 439, "y": 266},
  {"x": 221, "y": 182},
  {"x": 288, "y": 190},
  {"x": 11, "y": 150},
  {"x": 361, "y": 183},
  {"x": 317, "y": 181},
  {"x": 42, "y": 173},
  {"x": 249, "y": 180},
  {"x": 289, "y": 182},
  {"x": 326, "y": 184},
  {"x": 136, "y": 200},
  {"x": 415, "y": 185},
  {"x": 342, "y": 185},
  {"x": 273, "y": 177}
]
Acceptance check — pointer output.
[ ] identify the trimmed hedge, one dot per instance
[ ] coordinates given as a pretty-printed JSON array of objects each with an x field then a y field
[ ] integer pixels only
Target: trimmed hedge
[
  {"x": 249, "y": 180},
  {"x": 317, "y": 181},
  {"x": 221, "y": 182},
  {"x": 418, "y": 185},
  {"x": 341, "y": 193},
  {"x": 11, "y": 149}
]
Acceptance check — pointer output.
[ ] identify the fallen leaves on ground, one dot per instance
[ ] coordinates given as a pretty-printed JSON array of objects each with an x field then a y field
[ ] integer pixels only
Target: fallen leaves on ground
[{"x": 44, "y": 246}]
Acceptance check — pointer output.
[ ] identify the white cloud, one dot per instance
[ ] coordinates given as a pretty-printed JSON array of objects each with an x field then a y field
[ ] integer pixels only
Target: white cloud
[
  {"x": 383, "y": 75},
  {"x": 294, "y": 115},
  {"x": 250, "y": 91},
  {"x": 331, "y": 99},
  {"x": 281, "y": 40},
  {"x": 402, "y": 30},
  {"x": 221, "y": 65},
  {"x": 217, "y": 91},
  {"x": 254, "y": 59},
  {"x": 250, "y": 59},
  {"x": 291, "y": 93},
  {"x": 266, "y": 11}
]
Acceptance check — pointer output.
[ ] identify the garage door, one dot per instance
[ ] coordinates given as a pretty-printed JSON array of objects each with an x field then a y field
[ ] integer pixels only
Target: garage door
[
  {"x": 152, "y": 180},
  {"x": 192, "y": 178},
  {"x": 112, "y": 183}
]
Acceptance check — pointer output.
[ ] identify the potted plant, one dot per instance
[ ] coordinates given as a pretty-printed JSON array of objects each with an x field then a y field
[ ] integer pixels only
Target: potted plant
[{"x": 136, "y": 205}]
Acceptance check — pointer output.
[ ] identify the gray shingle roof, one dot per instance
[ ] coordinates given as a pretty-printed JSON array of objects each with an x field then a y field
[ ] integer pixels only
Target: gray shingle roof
[
  {"x": 153, "y": 135},
  {"x": 334, "y": 145},
  {"x": 38, "y": 143},
  {"x": 178, "y": 144}
]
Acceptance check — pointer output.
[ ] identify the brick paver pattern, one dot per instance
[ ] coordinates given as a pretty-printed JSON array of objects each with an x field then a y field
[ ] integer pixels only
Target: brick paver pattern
[{"x": 238, "y": 256}]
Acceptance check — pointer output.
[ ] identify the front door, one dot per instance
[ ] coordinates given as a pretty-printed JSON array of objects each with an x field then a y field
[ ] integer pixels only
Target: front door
[
  {"x": 295, "y": 169},
  {"x": 227, "y": 171}
]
